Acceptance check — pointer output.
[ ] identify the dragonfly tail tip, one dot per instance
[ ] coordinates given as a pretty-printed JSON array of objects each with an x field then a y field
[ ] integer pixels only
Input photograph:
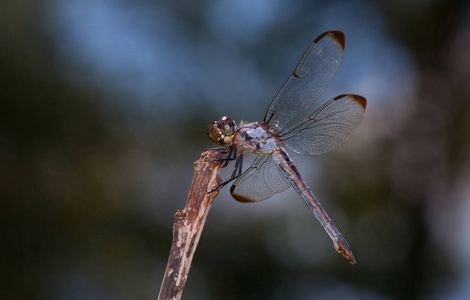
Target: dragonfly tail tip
[{"x": 343, "y": 248}]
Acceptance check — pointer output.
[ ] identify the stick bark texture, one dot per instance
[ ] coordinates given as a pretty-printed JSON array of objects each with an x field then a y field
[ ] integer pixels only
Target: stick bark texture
[{"x": 189, "y": 224}]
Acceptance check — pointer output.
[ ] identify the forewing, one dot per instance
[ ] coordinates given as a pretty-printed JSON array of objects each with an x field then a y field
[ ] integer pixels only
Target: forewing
[
  {"x": 260, "y": 181},
  {"x": 310, "y": 78},
  {"x": 328, "y": 127}
]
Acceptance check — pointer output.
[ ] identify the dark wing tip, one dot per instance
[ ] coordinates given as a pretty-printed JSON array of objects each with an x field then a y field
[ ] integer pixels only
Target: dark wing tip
[
  {"x": 238, "y": 197},
  {"x": 336, "y": 35},
  {"x": 359, "y": 99}
]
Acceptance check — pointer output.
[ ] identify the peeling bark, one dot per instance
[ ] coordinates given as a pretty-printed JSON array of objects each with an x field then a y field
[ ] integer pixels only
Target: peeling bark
[{"x": 189, "y": 223}]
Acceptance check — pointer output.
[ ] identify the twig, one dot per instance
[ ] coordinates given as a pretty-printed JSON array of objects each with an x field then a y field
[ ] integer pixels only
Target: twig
[{"x": 189, "y": 223}]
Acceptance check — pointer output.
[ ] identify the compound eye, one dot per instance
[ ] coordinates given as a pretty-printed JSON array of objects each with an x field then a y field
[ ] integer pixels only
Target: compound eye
[{"x": 227, "y": 126}]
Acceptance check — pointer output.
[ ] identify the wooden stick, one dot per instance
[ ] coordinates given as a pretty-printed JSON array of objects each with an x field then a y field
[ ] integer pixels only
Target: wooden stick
[{"x": 189, "y": 223}]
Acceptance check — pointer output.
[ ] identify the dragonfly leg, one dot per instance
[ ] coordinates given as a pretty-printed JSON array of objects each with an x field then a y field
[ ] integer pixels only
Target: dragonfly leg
[
  {"x": 220, "y": 149},
  {"x": 232, "y": 153},
  {"x": 237, "y": 170}
]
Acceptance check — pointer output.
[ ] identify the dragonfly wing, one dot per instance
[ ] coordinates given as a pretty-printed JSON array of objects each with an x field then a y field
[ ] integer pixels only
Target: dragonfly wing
[
  {"x": 260, "y": 181},
  {"x": 328, "y": 127},
  {"x": 310, "y": 78}
]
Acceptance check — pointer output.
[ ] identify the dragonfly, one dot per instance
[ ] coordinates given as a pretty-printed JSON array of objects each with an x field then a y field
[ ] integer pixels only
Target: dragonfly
[{"x": 329, "y": 126}]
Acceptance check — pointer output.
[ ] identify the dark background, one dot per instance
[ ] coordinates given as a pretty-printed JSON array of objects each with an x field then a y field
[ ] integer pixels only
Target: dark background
[{"x": 104, "y": 109}]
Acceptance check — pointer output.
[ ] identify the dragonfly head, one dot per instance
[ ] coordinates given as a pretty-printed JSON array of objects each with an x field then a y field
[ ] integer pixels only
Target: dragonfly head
[{"x": 222, "y": 131}]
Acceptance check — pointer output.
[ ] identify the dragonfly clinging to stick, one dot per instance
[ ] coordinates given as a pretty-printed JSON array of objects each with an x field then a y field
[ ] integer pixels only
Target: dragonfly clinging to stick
[{"x": 329, "y": 126}]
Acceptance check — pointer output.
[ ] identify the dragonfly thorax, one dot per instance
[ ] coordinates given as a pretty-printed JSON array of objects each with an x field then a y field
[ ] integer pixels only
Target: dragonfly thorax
[{"x": 256, "y": 137}]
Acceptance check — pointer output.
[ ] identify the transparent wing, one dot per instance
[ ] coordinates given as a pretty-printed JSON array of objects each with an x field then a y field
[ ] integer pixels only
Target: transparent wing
[
  {"x": 328, "y": 127},
  {"x": 310, "y": 78},
  {"x": 260, "y": 181}
]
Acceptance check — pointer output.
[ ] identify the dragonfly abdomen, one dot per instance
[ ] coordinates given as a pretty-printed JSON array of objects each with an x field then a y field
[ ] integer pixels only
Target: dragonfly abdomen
[{"x": 288, "y": 169}]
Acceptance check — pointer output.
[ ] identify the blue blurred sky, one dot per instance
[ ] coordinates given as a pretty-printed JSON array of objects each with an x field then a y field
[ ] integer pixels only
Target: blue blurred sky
[{"x": 144, "y": 49}]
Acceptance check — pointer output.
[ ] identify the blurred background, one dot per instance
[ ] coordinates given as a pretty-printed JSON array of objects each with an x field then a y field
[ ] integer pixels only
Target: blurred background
[{"x": 105, "y": 106}]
